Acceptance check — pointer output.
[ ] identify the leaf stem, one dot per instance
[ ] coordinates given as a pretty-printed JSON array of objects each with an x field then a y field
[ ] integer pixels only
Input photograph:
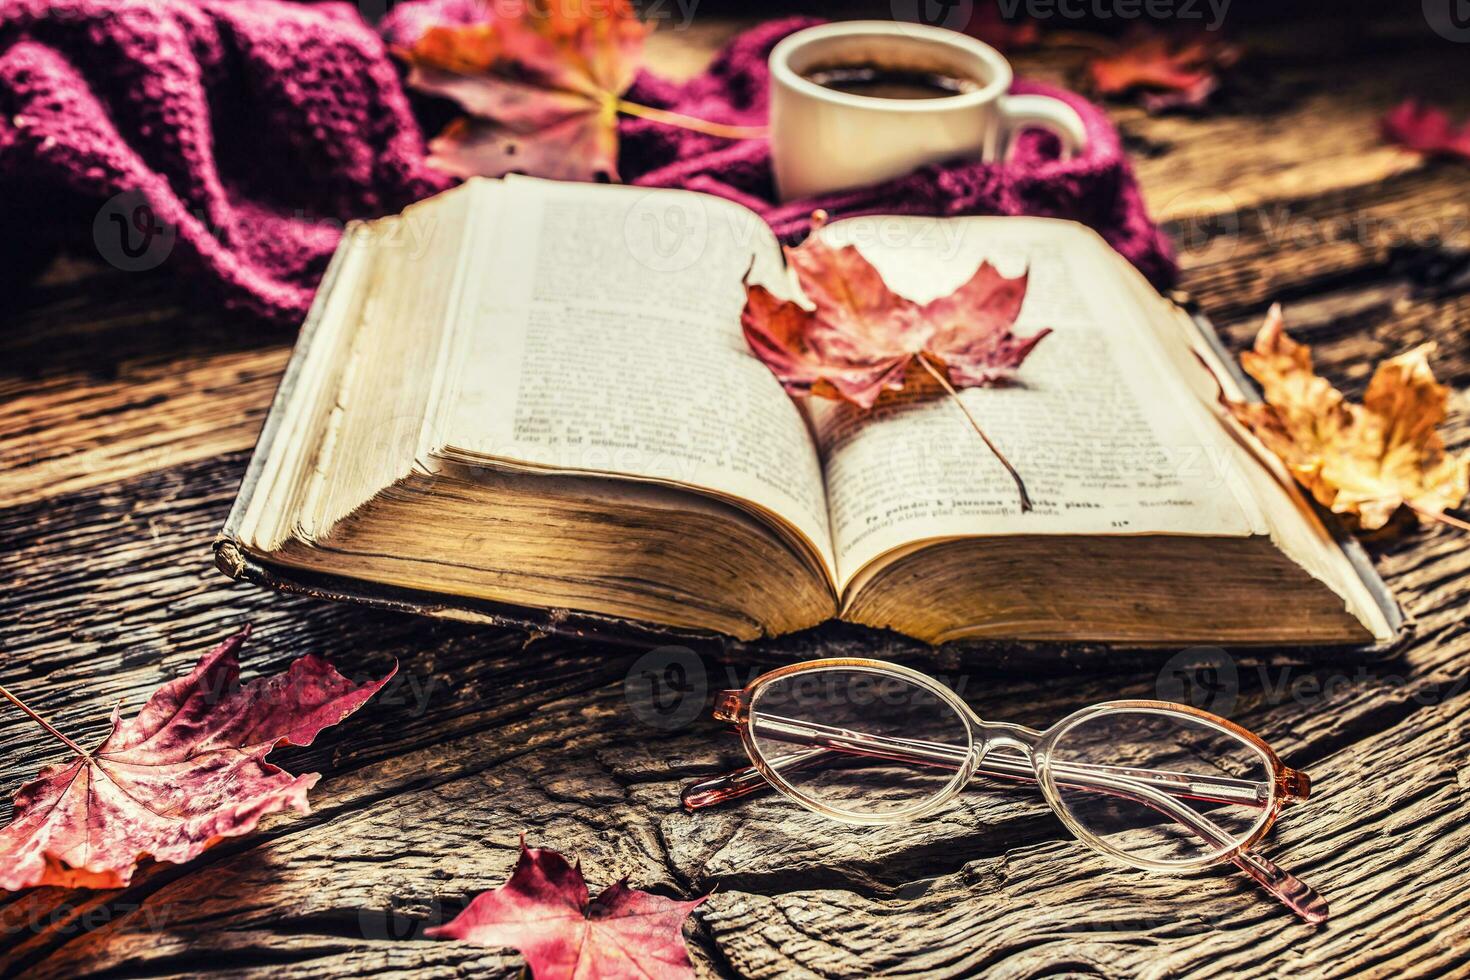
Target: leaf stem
[
  {"x": 722, "y": 130},
  {"x": 44, "y": 723},
  {"x": 1441, "y": 518},
  {"x": 1020, "y": 484}
]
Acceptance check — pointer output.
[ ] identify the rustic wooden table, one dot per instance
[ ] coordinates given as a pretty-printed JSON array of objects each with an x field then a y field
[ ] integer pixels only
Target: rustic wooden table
[{"x": 128, "y": 416}]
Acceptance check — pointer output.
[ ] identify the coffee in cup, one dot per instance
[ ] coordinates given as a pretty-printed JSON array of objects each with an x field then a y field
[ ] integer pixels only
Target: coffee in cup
[
  {"x": 881, "y": 82},
  {"x": 860, "y": 102}
]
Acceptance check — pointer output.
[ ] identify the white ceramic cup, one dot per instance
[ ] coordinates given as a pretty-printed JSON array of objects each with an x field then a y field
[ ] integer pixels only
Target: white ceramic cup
[{"x": 824, "y": 140}]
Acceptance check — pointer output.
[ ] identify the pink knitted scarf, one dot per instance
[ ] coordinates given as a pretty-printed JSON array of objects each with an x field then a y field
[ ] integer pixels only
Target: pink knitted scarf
[{"x": 228, "y": 140}]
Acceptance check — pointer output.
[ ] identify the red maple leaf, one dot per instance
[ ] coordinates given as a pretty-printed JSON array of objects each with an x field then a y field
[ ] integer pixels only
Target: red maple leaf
[
  {"x": 1170, "y": 71},
  {"x": 545, "y": 912},
  {"x": 861, "y": 338},
  {"x": 188, "y": 771},
  {"x": 1426, "y": 129}
]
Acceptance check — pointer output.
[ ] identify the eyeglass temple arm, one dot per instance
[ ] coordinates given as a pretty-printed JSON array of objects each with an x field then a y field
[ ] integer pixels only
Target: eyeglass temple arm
[
  {"x": 1141, "y": 785},
  {"x": 1210, "y": 789},
  {"x": 1281, "y": 884}
]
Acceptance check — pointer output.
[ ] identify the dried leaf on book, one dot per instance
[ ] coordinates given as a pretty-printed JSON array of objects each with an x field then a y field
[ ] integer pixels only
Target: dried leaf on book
[
  {"x": 185, "y": 773},
  {"x": 546, "y": 913},
  {"x": 1428, "y": 130},
  {"x": 1363, "y": 461},
  {"x": 861, "y": 338}
]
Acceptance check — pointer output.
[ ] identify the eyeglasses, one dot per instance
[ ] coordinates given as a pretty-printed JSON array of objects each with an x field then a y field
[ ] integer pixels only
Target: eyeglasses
[{"x": 1159, "y": 786}]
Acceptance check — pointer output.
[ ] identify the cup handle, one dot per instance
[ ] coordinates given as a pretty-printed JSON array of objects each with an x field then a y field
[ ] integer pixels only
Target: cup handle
[{"x": 1043, "y": 112}]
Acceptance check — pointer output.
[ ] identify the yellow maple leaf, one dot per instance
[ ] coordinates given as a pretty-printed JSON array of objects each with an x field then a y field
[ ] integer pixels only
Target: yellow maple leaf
[{"x": 1362, "y": 461}]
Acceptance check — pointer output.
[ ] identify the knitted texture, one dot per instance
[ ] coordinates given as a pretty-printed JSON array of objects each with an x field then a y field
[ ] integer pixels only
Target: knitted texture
[
  {"x": 232, "y": 138},
  {"x": 251, "y": 128}
]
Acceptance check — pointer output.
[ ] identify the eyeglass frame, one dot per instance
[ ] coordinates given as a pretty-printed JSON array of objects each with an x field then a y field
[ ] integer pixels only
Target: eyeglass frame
[{"x": 1287, "y": 786}]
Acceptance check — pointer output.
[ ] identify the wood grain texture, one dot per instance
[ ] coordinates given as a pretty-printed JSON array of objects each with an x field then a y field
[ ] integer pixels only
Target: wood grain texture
[
  {"x": 128, "y": 411},
  {"x": 106, "y": 375}
]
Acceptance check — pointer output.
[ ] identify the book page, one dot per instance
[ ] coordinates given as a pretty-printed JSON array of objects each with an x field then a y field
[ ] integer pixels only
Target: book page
[
  {"x": 1102, "y": 429},
  {"x": 604, "y": 337}
]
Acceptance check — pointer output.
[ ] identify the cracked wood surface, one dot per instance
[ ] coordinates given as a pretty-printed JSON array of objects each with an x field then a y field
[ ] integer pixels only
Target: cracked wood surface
[{"x": 128, "y": 411}]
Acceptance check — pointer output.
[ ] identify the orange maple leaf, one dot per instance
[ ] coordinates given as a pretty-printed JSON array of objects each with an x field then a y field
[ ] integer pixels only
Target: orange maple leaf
[
  {"x": 1173, "y": 72},
  {"x": 541, "y": 81}
]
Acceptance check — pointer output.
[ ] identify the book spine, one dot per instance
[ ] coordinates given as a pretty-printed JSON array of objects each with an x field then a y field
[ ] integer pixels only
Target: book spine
[{"x": 227, "y": 549}]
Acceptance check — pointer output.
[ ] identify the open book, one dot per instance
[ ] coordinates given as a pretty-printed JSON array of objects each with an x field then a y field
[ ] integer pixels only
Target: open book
[{"x": 533, "y": 395}]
